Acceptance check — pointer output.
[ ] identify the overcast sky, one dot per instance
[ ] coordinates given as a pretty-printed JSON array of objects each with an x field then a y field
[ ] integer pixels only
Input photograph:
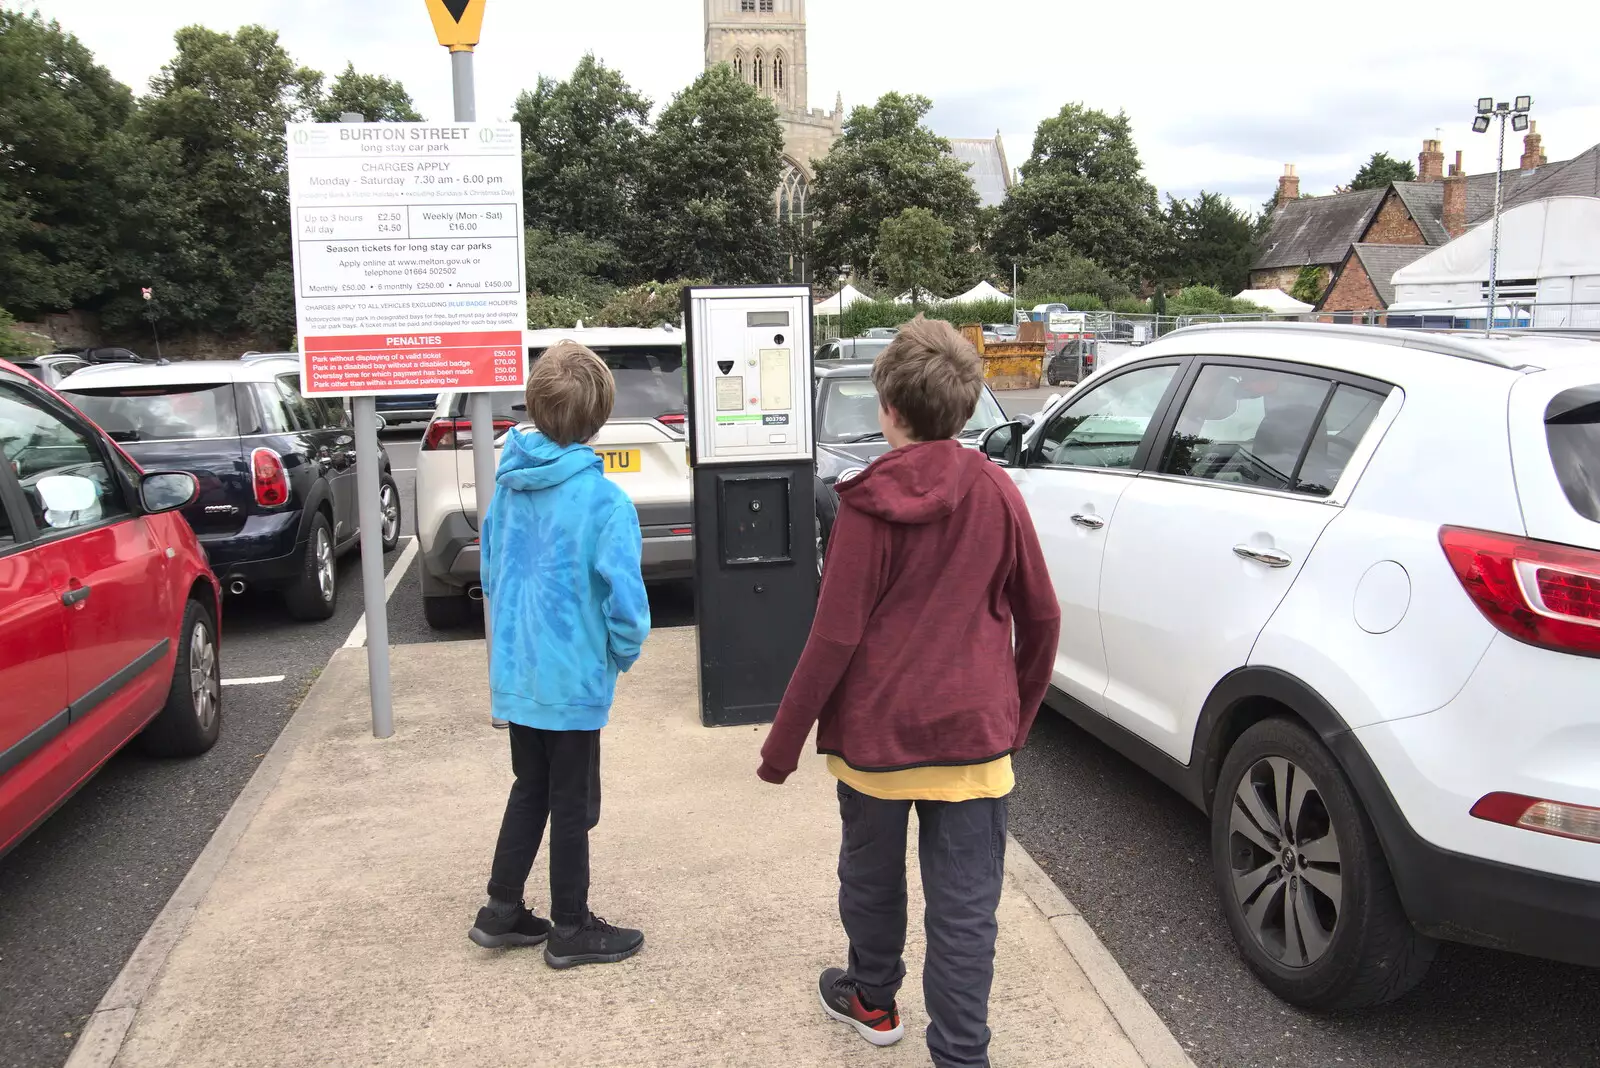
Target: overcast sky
[{"x": 1221, "y": 95}]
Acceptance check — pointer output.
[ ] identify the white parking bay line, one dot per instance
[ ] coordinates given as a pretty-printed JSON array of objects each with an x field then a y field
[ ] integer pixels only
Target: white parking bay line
[
  {"x": 358, "y": 633},
  {"x": 259, "y": 680}
]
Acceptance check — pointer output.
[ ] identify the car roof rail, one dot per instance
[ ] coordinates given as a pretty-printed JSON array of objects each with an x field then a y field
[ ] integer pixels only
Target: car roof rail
[{"x": 1425, "y": 341}]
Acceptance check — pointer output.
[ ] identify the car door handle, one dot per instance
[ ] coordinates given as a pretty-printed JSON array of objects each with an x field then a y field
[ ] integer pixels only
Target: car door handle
[
  {"x": 77, "y": 596},
  {"x": 1270, "y": 557},
  {"x": 1093, "y": 522}
]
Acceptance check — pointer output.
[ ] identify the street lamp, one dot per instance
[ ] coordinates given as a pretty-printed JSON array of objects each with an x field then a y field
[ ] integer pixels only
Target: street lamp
[{"x": 1518, "y": 114}]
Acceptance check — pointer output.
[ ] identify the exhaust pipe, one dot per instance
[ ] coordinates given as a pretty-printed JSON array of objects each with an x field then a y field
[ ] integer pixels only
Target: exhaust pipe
[
  {"x": 474, "y": 593},
  {"x": 236, "y": 587}
]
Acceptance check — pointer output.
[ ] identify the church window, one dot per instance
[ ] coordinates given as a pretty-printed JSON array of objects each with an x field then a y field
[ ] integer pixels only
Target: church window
[
  {"x": 766, "y": 6},
  {"x": 777, "y": 71},
  {"x": 794, "y": 215},
  {"x": 738, "y": 63},
  {"x": 747, "y": 5},
  {"x": 757, "y": 71}
]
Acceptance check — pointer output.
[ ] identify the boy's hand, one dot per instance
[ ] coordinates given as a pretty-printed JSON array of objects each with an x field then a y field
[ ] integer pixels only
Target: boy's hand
[{"x": 767, "y": 773}]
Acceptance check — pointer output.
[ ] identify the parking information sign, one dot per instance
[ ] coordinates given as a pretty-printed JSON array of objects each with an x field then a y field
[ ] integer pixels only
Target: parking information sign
[{"x": 408, "y": 256}]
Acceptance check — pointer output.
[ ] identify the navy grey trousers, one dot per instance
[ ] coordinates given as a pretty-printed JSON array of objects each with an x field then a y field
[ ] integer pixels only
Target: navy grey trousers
[{"x": 962, "y": 846}]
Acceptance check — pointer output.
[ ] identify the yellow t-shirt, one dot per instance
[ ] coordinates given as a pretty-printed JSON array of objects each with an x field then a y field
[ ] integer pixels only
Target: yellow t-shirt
[{"x": 963, "y": 783}]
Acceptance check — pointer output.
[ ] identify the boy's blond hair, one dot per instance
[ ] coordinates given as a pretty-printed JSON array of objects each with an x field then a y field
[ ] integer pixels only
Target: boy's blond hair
[
  {"x": 931, "y": 376},
  {"x": 570, "y": 393}
]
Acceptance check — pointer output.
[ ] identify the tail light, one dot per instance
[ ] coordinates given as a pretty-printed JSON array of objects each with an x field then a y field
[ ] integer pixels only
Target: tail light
[
  {"x": 676, "y": 419},
  {"x": 1547, "y": 817},
  {"x": 1535, "y": 591},
  {"x": 457, "y": 433},
  {"x": 270, "y": 479}
]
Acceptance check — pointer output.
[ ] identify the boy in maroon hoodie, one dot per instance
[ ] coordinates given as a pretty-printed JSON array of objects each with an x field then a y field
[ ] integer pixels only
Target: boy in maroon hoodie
[{"x": 921, "y": 695}]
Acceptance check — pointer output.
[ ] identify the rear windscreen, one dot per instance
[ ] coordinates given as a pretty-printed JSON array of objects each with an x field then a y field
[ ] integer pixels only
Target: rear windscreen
[
  {"x": 650, "y": 384},
  {"x": 161, "y": 413},
  {"x": 1572, "y": 428}
]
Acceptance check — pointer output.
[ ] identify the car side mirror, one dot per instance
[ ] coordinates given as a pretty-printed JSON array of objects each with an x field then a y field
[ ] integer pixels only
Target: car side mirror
[
  {"x": 1003, "y": 444},
  {"x": 167, "y": 491},
  {"x": 1025, "y": 419},
  {"x": 383, "y": 424}
]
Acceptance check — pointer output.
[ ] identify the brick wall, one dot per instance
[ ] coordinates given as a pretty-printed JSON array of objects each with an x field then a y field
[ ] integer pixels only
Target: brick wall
[
  {"x": 1352, "y": 290},
  {"x": 1393, "y": 225}
]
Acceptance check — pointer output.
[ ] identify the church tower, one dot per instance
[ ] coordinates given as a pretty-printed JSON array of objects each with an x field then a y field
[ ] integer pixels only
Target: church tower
[{"x": 764, "y": 41}]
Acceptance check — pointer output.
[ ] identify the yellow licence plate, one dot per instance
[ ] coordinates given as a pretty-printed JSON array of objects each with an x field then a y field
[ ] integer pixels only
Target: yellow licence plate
[{"x": 621, "y": 461}]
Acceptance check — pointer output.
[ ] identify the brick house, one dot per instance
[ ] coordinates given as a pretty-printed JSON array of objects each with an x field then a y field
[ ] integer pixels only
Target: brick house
[{"x": 1359, "y": 239}]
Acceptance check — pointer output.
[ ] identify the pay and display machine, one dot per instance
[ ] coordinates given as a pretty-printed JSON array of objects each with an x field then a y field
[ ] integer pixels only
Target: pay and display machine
[{"x": 750, "y": 445}]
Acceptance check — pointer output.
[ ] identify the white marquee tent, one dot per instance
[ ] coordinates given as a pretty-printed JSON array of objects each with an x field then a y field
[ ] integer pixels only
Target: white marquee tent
[
  {"x": 839, "y": 301},
  {"x": 1276, "y": 301},
  {"x": 1549, "y": 255},
  {"x": 981, "y": 291},
  {"x": 923, "y": 297}
]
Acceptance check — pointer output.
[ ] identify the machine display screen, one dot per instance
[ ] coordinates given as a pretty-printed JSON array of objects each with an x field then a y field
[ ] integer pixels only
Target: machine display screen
[{"x": 770, "y": 318}]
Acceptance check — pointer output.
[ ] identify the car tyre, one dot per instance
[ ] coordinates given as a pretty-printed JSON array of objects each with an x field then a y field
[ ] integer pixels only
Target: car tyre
[
  {"x": 389, "y": 510},
  {"x": 1302, "y": 877},
  {"x": 191, "y": 720},
  {"x": 450, "y": 612},
  {"x": 315, "y": 592},
  {"x": 827, "y": 513}
]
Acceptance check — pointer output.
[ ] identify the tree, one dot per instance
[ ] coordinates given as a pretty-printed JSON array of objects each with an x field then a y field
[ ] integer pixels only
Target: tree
[
  {"x": 215, "y": 120},
  {"x": 1084, "y": 183},
  {"x": 1212, "y": 243},
  {"x": 1310, "y": 285},
  {"x": 886, "y": 161},
  {"x": 373, "y": 96},
  {"x": 583, "y": 153},
  {"x": 706, "y": 192},
  {"x": 61, "y": 117},
  {"x": 1054, "y": 269},
  {"x": 570, "y": 266},
  {"x": 1382, "y": 169},
  {"x": 914, "y": 250}
]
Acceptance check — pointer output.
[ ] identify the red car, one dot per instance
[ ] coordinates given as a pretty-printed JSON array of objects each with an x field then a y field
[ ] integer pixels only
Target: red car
[{"x": 108, "y": 611}]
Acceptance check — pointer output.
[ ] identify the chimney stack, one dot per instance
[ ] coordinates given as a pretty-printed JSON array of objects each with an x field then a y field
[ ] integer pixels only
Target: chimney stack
[
  {"x": 1455, "y": 200},
  {"x": 1533, "y": 149},
  {"x": 1288, "y": 185},
  {"x": 1430, "y": 164}
]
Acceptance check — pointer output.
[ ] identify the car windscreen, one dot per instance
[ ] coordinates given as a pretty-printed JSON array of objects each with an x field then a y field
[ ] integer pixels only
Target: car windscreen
[
  {"x": 161, "y": 412},
  {"x": 1572, "y": 430},
  {"x": 849, "y": 411},
  {"x": 650, "y": 383}
]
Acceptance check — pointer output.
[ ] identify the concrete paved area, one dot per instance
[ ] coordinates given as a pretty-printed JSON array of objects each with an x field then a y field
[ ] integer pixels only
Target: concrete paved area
[{"x": 327, "y": 922}]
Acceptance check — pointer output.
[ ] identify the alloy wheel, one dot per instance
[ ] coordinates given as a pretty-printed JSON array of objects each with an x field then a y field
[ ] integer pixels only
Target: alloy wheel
[
  {"x": 204, "y": 686},
  {"x": 324, "y": 565},
  {"x": 389, "y": 502},
  {"x": 1284, "y": 859}
]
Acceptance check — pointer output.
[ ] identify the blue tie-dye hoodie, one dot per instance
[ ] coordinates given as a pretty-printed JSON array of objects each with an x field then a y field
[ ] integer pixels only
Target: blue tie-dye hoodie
[{"x": 567, "y": 608}]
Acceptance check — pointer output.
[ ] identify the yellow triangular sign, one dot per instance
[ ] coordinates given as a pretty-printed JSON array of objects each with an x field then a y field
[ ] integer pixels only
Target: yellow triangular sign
[{"x": 457, "y": 23}]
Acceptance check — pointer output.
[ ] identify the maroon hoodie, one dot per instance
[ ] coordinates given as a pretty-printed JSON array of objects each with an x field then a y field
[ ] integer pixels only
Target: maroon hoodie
[{"x": 933, "y": 561}]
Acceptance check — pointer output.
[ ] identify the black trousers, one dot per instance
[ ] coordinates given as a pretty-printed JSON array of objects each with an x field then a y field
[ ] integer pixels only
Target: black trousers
[
  {"x": 962, "y": 845},
  {"x": 558, "y": 780}
]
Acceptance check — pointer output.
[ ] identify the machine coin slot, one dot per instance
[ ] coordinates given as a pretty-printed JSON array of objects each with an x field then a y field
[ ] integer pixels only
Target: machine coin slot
[{"x": 754, "y": 517}]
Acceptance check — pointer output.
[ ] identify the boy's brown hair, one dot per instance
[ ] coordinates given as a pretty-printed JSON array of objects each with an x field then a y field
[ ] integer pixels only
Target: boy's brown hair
[
  {"x": 570, "y": 393},
  {"x": 931, "y": 376}
]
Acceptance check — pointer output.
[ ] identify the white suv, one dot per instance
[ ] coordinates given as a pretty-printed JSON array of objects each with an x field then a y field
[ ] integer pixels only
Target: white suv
[
  {"x": 643, "y": 447},
  {"x": 1340, "y": 587}
]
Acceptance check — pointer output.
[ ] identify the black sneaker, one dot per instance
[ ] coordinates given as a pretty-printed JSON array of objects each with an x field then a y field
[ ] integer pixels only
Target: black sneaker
[
  {"x": 594, "y": 942},
  {"x": 499, "y": 926},
  {"x": 841, "y": 999}
]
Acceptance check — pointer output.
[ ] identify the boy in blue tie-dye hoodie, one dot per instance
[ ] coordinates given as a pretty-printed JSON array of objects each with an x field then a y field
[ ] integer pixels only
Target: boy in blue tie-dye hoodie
[{"x": 567, "y": 613}]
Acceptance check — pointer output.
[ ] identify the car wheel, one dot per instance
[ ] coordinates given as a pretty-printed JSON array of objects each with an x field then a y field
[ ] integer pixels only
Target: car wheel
[
  {"x": 450, "y": 612},
  {"x": 191, "y": 720},
  {"x": 389, "y": 505},
  {"x": 1303, "y": 880},
  {"x": 827, "y": 511},
  {"x": 315, "y": 592}
]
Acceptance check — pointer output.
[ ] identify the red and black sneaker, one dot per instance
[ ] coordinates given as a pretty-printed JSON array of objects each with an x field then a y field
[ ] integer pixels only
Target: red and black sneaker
[{"x": 841, "y": 999}]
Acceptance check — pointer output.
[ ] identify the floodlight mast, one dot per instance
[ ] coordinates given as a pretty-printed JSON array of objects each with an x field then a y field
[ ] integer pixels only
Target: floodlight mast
[{"x": 1519, "y": 121}]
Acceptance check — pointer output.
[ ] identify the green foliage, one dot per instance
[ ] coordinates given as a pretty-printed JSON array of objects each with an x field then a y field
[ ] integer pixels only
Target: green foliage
[
  {"x": 1381, "y": 170},
  {"x": 572, "y": 266},
  {"x": 1083, "y": 184},
  {"x": 914, "y": 251},
  {"x": 60, "y": 117},
  {"x": 1207, "y": 300},
  {"x": 888, "y": 160},
  {"x": 582, "y": 151},
  {"x": 1310, "y": 285},
  {"x": 647, "y": 305},
  {"x": 268, "y": 312},
  {"x": 1084, "y": 302},
  {"x": 547, "y": 312},
  {"x": 1212, "y": 243},
  {"x": 1054, "y": 268},
  {"x": 16, "y": 343},
  {"x": 373, "y": 96},
  {"x": 1130, "y": 306},
  {"x": 705, "y": 199},
  {"x": 864, "y": 315}
]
